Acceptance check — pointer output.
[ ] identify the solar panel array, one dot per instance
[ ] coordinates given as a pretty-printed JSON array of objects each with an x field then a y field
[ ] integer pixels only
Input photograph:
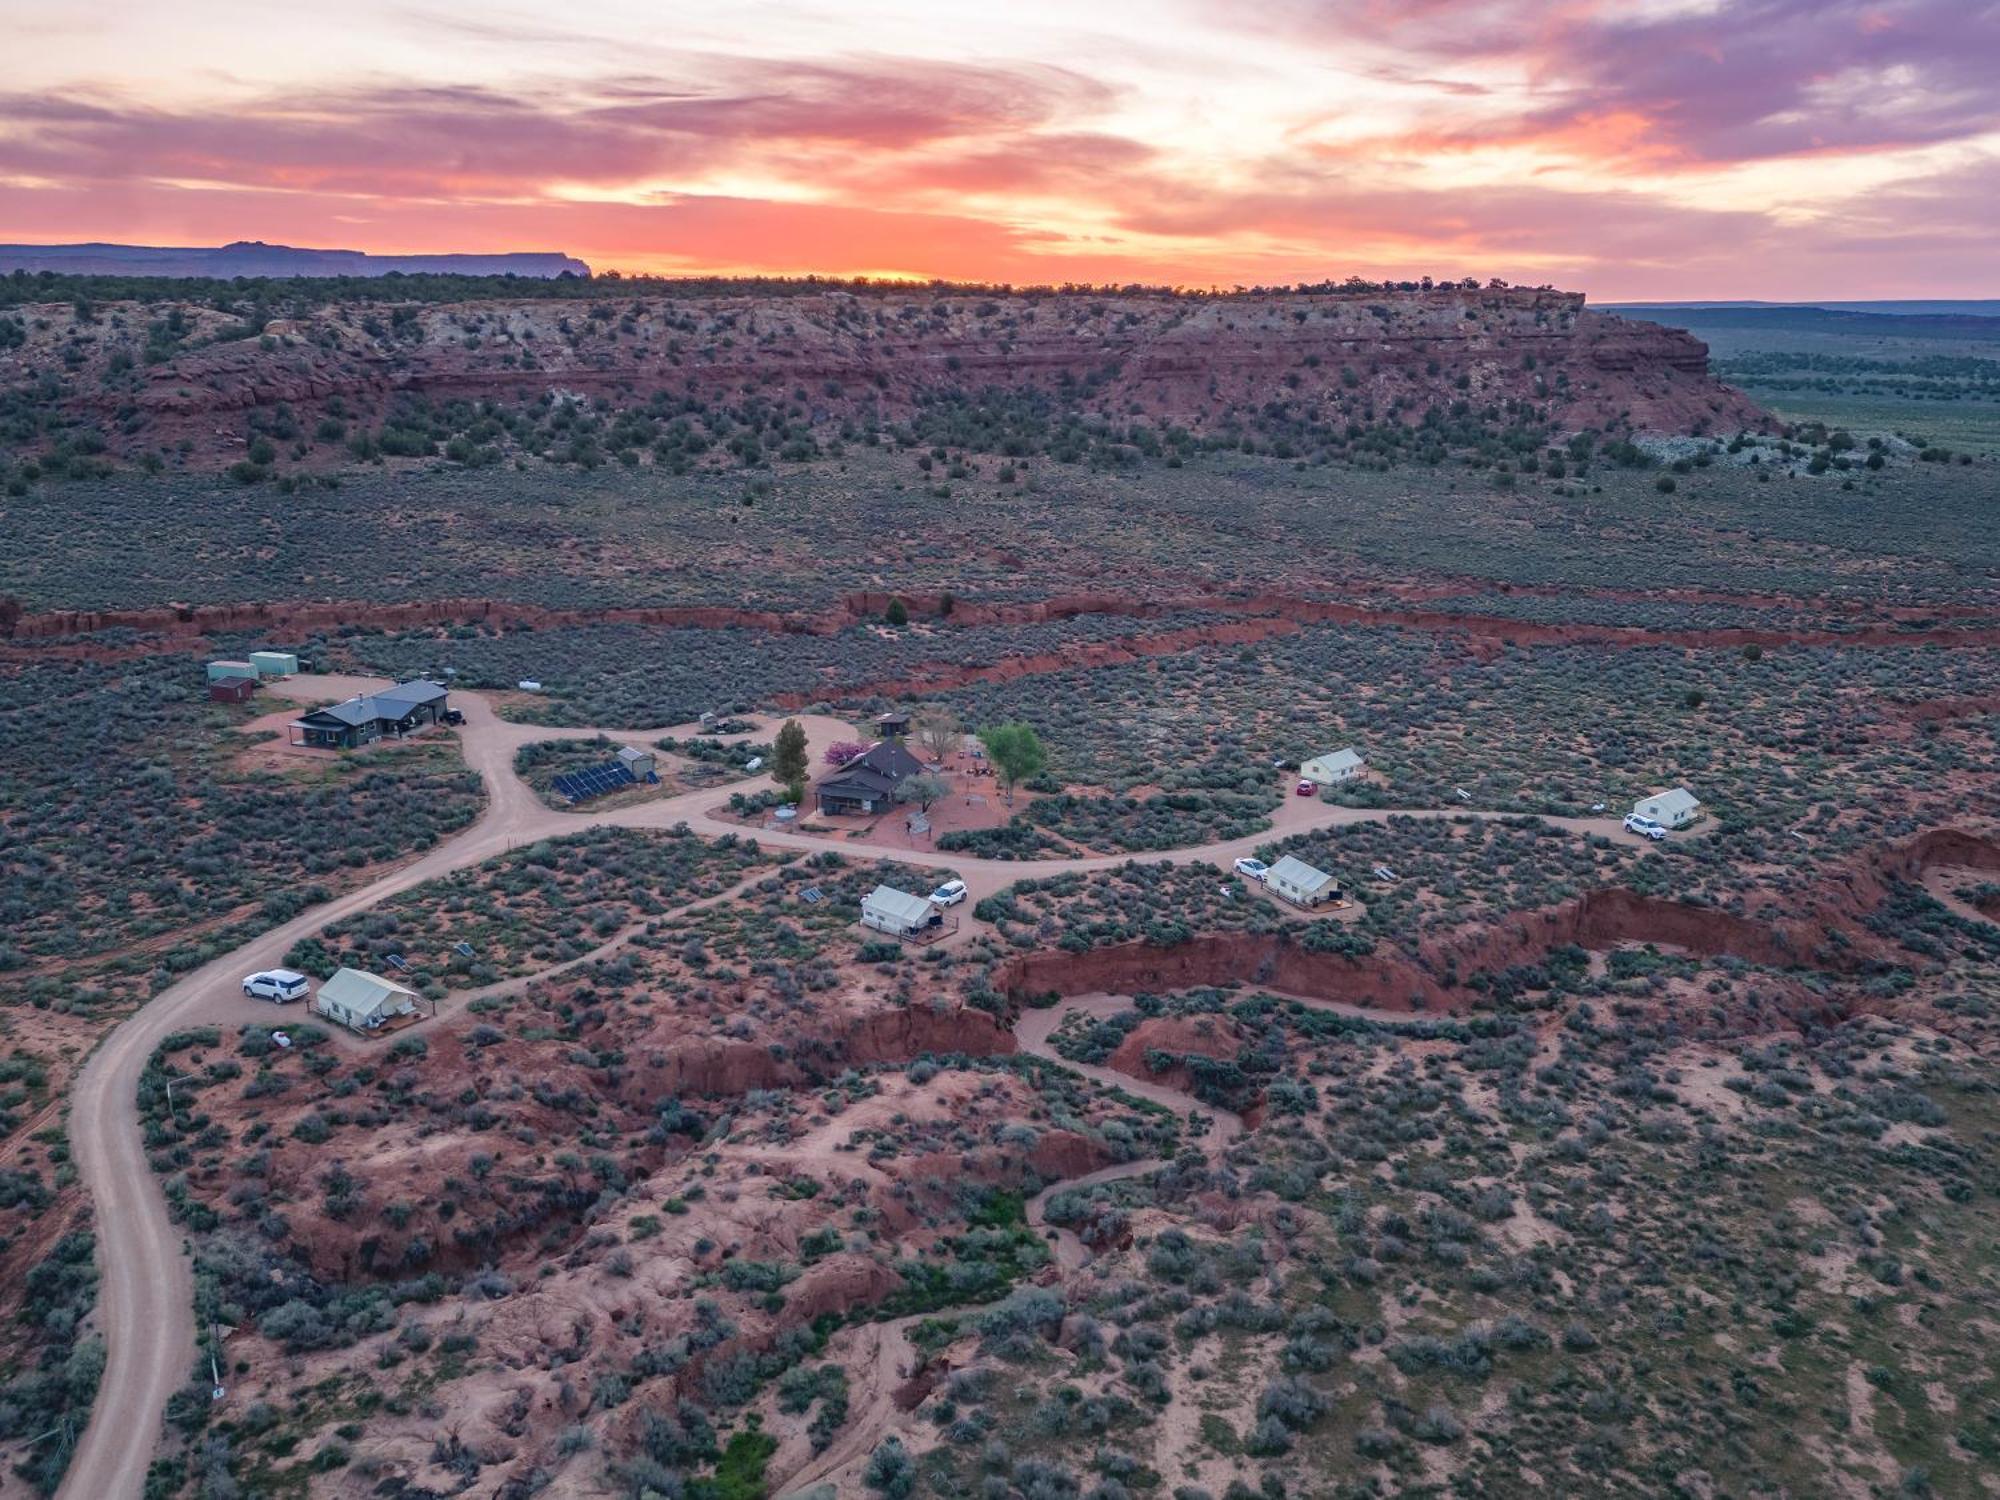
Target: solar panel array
[{"x": 593, "y": 781}]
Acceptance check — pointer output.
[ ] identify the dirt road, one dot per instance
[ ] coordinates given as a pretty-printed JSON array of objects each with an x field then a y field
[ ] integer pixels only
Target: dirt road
[
  {"x": 145, "y": 1305},
  {"x": 880, "y": 1416}
]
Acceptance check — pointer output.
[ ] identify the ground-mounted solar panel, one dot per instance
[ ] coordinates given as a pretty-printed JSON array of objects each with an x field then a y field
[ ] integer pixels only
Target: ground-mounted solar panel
[{"x": 594, "y": 781}]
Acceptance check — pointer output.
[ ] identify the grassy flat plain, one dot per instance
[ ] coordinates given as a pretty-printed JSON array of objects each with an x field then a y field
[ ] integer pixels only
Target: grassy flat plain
[{"x": 1880, "y": 374}]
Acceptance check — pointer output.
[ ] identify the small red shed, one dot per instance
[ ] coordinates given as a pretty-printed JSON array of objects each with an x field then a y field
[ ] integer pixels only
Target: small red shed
[{"x": 232, "y": 690}]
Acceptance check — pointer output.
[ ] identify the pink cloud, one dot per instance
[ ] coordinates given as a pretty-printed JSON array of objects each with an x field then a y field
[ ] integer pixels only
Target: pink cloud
[
  {"x": 891, "y": 149},
  {"x": 1751, "y": 80},
  {"x": 446, "y": 140}
]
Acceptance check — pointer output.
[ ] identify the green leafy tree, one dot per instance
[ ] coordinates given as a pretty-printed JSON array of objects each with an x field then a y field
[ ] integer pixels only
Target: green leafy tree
[
  {"x": 924, "y": 788},
  {"x": 898, "y": 613},
  {"x": 788, "y": 754},
  {"x": 1016, "y": 752}
]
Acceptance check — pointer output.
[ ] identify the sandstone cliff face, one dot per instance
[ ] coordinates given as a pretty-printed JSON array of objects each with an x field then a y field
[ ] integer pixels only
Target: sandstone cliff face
[{"x": 1199, "y": 363}]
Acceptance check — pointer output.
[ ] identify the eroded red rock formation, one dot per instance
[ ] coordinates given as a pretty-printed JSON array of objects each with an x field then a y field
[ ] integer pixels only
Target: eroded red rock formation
[{"x": 1196, "y": 362}]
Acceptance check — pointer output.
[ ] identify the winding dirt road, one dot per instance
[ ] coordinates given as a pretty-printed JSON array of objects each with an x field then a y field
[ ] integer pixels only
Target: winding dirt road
[
  {"x": 146, "y": 1298},
  {"x": 895, "y": 1360}
]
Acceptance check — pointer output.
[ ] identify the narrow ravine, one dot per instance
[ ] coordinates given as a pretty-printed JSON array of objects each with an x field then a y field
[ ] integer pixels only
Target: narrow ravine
[{"x": 1211, "y": 1129}]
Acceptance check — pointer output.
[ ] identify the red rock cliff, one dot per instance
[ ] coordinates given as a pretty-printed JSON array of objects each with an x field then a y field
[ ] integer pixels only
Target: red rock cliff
[{"x": 1204, "y": 363}]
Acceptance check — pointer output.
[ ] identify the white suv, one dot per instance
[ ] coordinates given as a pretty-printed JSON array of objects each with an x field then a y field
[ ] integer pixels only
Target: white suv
[
  {"x": 276, "y": 985},
  {"x": 1645, "y": 827},
  {"x": 949, "y": 894}
]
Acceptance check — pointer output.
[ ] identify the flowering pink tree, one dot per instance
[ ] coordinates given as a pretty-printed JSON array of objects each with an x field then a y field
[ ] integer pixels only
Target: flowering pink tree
[{"x": 842, "y": 751}]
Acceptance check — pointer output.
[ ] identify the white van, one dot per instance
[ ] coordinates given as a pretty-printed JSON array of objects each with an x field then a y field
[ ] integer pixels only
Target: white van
[{"x": 277, "y": 985}]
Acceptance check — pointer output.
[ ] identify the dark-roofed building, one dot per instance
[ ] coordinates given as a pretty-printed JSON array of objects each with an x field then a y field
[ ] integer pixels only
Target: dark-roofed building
[
  {"x": 867, "y": 784},
  {"x": 361, "y": 720}
]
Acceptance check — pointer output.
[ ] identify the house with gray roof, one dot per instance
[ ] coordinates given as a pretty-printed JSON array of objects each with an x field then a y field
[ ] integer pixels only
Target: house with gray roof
[
  {"x": 867, "y": 784},
  {"x": 367, "y": 717},
  {"x": 1334, "y": 767}
]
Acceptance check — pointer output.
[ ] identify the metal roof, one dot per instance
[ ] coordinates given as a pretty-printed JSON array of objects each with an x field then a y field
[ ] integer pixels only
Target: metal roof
[
  {"x": 1339, "y": 760},
  {"x": 408, "y": 695},
  {"x": 865, "y": 782},
  {"x": 1296, "y": 872},
  {"x": 391, "y": 704},
  {"x": 354, "y": 713},
  {"x": 887, "y": 758},
  {"x": 874, "y": 773},
  {"x": 901, "y": 906}
]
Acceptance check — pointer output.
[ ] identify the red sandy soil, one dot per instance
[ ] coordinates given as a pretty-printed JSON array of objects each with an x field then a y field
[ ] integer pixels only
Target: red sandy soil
[
  {"x": 975, "y": 802},
  {"x": 678, "y": 1050},
  {"x": 1794, "y": 933},
  {"x": 1200, "y": 1036},
  {"x": 750, "y": 1206}
]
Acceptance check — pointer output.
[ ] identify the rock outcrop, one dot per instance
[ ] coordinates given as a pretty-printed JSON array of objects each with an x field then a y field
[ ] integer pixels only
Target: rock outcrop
[{"x": 1280, "y": 362}]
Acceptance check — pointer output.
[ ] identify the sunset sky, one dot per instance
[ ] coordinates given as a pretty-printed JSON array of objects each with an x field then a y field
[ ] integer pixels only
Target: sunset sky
[{"x": 1782, "y": 149}]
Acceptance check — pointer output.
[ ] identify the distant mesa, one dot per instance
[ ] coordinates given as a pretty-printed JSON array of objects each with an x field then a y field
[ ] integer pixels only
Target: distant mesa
[{"x": 255, "y": 258}]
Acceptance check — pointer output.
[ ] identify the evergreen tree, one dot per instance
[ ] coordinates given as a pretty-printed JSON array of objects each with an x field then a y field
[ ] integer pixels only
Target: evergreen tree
[{"x": 788, "y": 755}]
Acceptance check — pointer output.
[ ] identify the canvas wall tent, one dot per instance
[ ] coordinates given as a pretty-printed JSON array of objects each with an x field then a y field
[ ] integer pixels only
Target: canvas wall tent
[
  {"x": 1672, "y": 809},
  {"x": 898, "y": 913},
  {"x": 1335, "y": 766},
  {"x": 274, "y": 663},
  {"x": 1300, "y": 883},
  {"x": 220, "y": 670},
  {"x": 363, "y": 1001}
]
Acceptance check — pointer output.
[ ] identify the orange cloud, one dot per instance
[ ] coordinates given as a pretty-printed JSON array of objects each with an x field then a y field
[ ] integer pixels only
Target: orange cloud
[{"x": 1034, "y": 169}]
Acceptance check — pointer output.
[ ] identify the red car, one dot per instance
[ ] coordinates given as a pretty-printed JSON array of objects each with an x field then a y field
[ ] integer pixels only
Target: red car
[{"x": 1308, "y": 789}]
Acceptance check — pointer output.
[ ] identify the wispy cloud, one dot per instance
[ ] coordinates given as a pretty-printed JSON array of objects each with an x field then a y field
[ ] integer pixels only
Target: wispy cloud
[
  {"x": 1727, "y": 82},
  {"x": 1629, "y": 146}
]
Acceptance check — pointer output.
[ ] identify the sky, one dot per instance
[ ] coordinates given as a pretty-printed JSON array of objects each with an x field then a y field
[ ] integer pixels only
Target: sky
[{"x": 1776, "y": 149}]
